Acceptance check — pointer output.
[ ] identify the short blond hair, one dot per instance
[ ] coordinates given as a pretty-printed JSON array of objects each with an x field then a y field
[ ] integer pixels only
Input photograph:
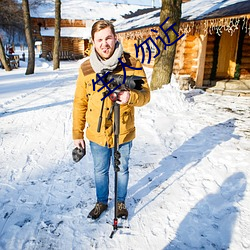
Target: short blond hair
[{"x": 100, "y": 25}]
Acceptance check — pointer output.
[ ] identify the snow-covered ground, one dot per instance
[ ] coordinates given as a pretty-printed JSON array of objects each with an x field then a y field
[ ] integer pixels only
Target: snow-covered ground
[{"x": 189, "y": 170}]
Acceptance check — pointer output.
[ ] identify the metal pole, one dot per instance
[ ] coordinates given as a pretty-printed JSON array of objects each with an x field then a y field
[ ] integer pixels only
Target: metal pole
[{"x": 116, "y": 161}]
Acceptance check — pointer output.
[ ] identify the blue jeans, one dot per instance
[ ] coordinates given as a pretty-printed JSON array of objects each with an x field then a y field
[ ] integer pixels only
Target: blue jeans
[{"x": 102, "y": 158}]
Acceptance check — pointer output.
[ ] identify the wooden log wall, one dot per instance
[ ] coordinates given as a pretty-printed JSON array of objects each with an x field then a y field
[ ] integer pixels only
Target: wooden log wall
[
  {"x": 50, "y": 22},
  {"x": 186, "y": 52},
  {"x": 47, "y": 45},
  {"x": 209, "y": 57},
  {"x": 179, "y": 57},
  {"x": 195, "y": 56},
  {"x": 245, "y": 60},
  {"x": 128, "y": 46},
  {"x": 73, "y": 45},
  {"x": 128, "y": 43},
  {"x": 79, "y": 46},
  {"x": 186, "y": 56},
  {"x": 66, "y": 44}
]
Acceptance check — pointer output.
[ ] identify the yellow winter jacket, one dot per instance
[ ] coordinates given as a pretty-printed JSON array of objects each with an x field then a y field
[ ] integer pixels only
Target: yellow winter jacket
[{"x": 87, "y": 105}]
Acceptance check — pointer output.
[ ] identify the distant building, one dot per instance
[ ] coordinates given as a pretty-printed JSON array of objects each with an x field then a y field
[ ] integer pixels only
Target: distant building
[{"x": 77, "y": 19}]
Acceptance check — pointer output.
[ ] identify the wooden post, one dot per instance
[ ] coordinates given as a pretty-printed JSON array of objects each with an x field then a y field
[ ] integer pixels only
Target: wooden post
[{"x": 201, "y": 60}]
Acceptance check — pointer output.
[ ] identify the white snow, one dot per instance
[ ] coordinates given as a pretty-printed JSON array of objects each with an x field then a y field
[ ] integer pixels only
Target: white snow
[
  {"x": 86, "y": 10},
  {"x": 155, "y": 3},
  {"x": 192, "y": 10},
  {"x": 84, "y": 33},
  {"x": 148, "y": 19},
  {"x": 189, "y": 169},
  {"x": 197, "y": 9}
]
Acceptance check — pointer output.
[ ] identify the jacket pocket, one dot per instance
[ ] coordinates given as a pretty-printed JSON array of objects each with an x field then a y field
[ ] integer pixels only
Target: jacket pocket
[{"x": 126, "y": 119}]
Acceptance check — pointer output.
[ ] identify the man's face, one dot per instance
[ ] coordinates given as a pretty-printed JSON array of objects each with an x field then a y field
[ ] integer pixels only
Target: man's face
[{"x": 104, "y": 42}]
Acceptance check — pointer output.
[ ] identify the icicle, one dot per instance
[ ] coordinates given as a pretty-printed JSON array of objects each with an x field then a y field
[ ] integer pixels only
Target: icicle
[
  {"x": 248, "y": 28},
  {"x": 217, "y": 25}
]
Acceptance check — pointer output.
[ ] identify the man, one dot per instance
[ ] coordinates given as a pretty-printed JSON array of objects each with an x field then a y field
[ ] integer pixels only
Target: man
[{"x": 87, "y": 106}]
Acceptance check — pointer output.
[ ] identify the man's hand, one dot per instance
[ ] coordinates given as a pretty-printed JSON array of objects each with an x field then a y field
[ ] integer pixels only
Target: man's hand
[
  {"x": 79, "y": 143},
  {"x": 123, "y": 97},
  {"x": 79, "y": 151}
]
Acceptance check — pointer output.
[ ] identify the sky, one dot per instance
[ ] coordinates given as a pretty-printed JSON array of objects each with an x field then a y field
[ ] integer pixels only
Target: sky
[{"x": 189, "y": 169}]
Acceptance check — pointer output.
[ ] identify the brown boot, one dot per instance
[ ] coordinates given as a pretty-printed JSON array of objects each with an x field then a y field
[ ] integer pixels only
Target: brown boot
[
  {"x": 122, "y": 211},
  {"x": 97, "y": 210}
]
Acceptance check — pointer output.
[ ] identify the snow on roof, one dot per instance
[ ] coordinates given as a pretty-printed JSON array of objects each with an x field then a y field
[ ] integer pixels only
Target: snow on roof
[
  {"x": 192, "y": 10},
  {"x": 197, "y": 9},
  {"x": 85, "y": 10},
  {"x": 148, "y": 19},
  {"x": 80, "y": 32}
]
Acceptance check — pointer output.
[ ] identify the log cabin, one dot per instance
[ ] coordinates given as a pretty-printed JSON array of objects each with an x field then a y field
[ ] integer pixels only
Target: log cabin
[
  {"x": 74, "y": 37},
  {"x": 214, "y": 49},
  {"x": 77, "y": 17}
]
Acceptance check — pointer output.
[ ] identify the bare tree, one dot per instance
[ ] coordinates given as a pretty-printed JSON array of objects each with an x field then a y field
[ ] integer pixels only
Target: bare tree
[
  {"x": 11, "y": 16},
  {"x": 36, "y": 3},
  {"x": 28, "y": 33},
  {"x": 56, "y": 59},
  {"x": 164, "y": 61},
  {"x": 11, "y": 24},
  {"x": 3, "y": 57}
]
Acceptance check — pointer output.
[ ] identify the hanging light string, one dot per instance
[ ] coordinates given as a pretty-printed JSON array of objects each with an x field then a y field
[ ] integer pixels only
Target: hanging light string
[
  {"x": 217, "y": 25},
  {"x": 229, "y": 24}
]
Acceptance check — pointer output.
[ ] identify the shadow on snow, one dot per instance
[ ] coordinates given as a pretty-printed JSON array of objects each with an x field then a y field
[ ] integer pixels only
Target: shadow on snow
[
  {"x": 23, "y": 110},
  {"x": 212, "y": 227},
  {"x": 190, "y": 153},
  {"x": 209, "y": 225}
]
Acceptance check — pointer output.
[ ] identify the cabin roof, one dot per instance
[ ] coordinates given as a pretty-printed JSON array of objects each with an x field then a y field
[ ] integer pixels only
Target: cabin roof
[
  {"x": 84, "y": 10},
  {"x": 77, "y": 32},
  {"x": 193, "y": 10},
  {"x": 207, "y": 9}
]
